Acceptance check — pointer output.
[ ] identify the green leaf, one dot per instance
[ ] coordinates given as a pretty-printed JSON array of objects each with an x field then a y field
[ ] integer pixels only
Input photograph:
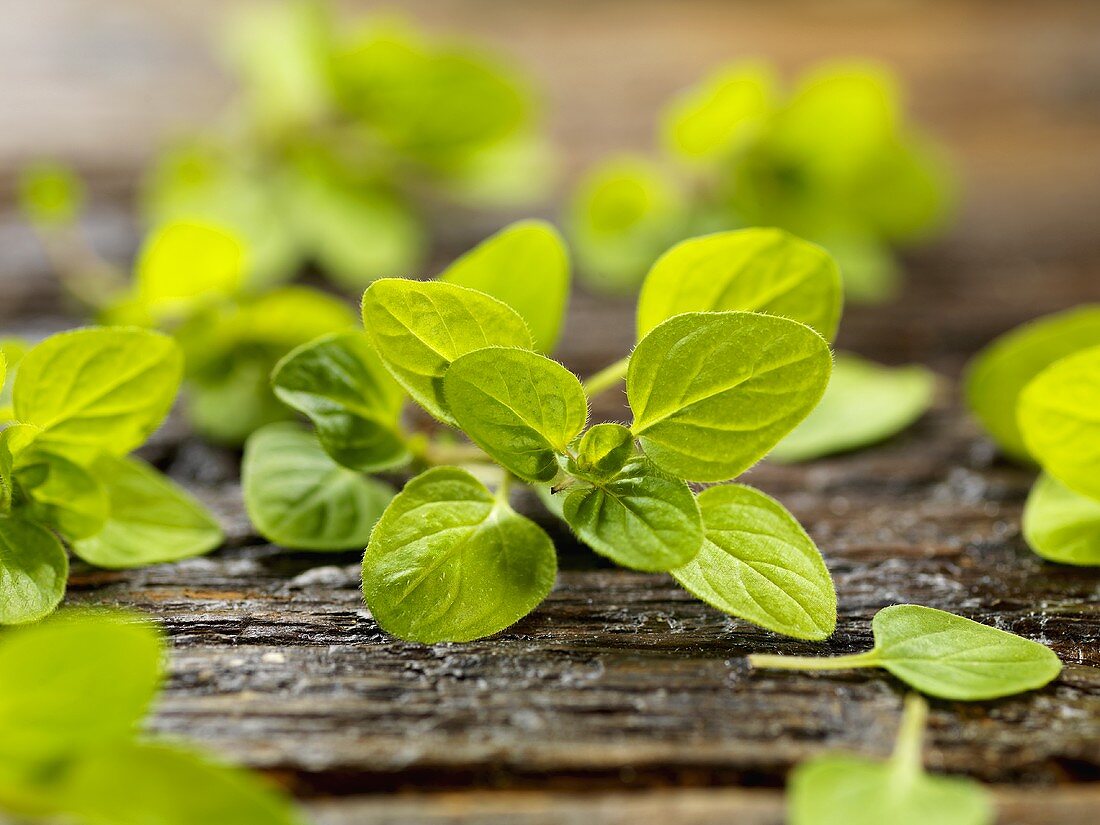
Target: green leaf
[
  {"x": 298, "y": 497},
  {"x": 520, "y": 407},
  {"x": 14, "y": 439},
  {"x": 602, "y": 451},
  {"x": 33, "y": 570},
  {"x": 713, "y": 392},
  {"x": 99, "y": 388},
  {"x": 864, "y": 404},
  {"x": 340, "y": 383},
  {"x": 50, "y": 194},
  {"x": 756, "y": 270},
  {"x": 719, "y": 116},
  {"x": 450, "y": 562},
  {"x": 624, "y": 214},
  {"x": 758, "y": 563},
  {"x": 12, "y": 351},
  {"x": 1059, "y": 417},
  {"x": 1061, "y": 525},
  {"x": 75, "y": 683},
  {"x": 526, "y": 266},
  {"x": 641, "y": 518},
  {"x": 852, "y": 790},
  {"x": 419, "y": 328},
  {"x": 135, "y": 783},
  {"x": 998, "y": 375},
  {"x": 185, "y": 262},
  {"x": 64, "y": 495},
  {"x": 150, "y": 519},
  {"x": 942, "y": 655}
]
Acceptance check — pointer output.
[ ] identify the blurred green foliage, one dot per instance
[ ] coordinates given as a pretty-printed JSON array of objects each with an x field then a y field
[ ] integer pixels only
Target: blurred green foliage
[
  {"x": 338, "y": 132},
  {"x": 74, "y": 693},
  {"x": 833, "y": 161}
]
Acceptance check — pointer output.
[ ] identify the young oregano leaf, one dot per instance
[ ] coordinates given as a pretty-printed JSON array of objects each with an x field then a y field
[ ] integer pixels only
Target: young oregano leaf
[
  {"x": 865, "y": 403},
  {"x": 526, "y": 266},
  {"x": 149, "y": 518},
  {"x": 941, "y": 654},
  {"x": 298, "y": 497},
  {"x": 33, "y": 571},
  {"x": 640, "y": 518},
  {"x": 14, "y": 439},
  {"x": 1061, "y": 525},
  {"x": 137, "y": 783},
  {"x": 998, "y": 375},
  {"x": 522, "y": 408},
  {"x": 74, "y": 683},
  {"x": 184, "y": 262},
  {"x": 419, "y": 328},
  {"x": 1059, "y": 418},
  {"x": 98, "y": 389},
  {"x": 758, "y": 563},
  {"x": 602, "y": 451},
  {"x": 64, "y": 495},
  {"x": 755, "y": 270},
  {"x": 852, "y": 790},
  {"x": 713, "y": 392},
  {"x": 353, "y": 401},
  {"x": 448, "y": 561}
]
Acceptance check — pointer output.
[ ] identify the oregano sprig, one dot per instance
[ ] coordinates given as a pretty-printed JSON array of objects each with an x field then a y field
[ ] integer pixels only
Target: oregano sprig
[
  {"x": 842, "y": 789},
  {"x": 717, "y": 378},
  {"x": 81, "y": 401},
  {"x": 940, "y": 654},
  {"x": 75, "y": 691}
]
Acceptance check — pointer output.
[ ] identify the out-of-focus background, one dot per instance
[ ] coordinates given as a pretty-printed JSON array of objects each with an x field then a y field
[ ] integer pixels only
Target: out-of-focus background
[{"x": 1012, "y": 89}]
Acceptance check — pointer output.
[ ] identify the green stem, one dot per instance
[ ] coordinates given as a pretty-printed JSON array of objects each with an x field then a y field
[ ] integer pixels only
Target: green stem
[
  {"x": 906, "y": 759},
  {"x": 85, "y": 275},
  {"x": 868, "y": 659},
  {"x": 504, "y": 490},
  {"x": 607, "y": 378},
  {"x": 435, "y": 453}
]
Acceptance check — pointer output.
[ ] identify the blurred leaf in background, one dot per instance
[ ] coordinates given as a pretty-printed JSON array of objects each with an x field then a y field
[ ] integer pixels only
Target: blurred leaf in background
[
  {"x": 833, "y": 161},
  {"x": 341, "y": 132}
]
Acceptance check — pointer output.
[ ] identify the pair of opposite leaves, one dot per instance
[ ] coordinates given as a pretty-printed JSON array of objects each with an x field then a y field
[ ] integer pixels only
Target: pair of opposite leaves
[
  {"x": 75, "y": 690},
  {"x": 80, "y": 402},
  {"x": 1037, "y": 392}
]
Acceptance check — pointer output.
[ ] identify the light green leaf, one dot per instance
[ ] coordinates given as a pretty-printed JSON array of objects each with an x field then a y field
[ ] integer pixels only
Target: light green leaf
[
  {"x": 717, "y": 117},
  {"x": 755, "y": 270},
  {"x": 184, "y": 262},
  {"x": 624, "y": 214},
  {"x": 864, "y": 404},
  {"x": 449, "y": 562},
  {"x": 246, "y": 390},
  {"x": 298, "y": 497},
  {"x": 50, "y": 194},
  {"x": 998, "y": 375},
  {"x": 14, "y": 439},
  {"x": 942, "y": 655},
  {"x": 526, "y": 266},
  {"x": 64, "y": 495},
  {"x": 75, "y": 683},
  {"x": 135, "y": 783},
  {"x": 758, "y": 563},
  {"x": 340, "y": 383},
  {"x": 98, "y": 389},
  {"x": 419, "y": 328},
  {"x": 12, "y": 351},
  {"x": 150, "y": 519},
  {"x": 641, "y": 518},
  {"x": 602, "y": 451},
  {"x": 713, "y": 392},
  {"x": 1059, "y": 418},
  {"x": 33, "y": 570},
  {"x": 852, "y": 790},
  {"x": 520, "y": 407},
  {"x": 1061, "y": 525}
]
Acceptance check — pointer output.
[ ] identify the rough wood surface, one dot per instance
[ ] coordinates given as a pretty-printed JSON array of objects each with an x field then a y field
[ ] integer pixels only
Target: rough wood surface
[{"x": 622, "y": 699}]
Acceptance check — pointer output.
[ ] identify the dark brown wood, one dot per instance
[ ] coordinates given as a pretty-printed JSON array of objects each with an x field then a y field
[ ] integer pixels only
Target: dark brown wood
[{"x": 622, "y": 699}]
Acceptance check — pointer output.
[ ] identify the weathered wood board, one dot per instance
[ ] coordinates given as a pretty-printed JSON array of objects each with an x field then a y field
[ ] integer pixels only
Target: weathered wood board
[{"x": 622, "y": 699}]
